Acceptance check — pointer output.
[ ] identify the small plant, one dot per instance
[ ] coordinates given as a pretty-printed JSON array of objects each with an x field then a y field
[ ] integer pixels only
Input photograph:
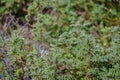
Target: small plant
[{"x": 80, "y": 40}]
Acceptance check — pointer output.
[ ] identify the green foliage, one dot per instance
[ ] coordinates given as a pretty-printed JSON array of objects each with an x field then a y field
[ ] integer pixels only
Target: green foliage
[{"x": 83, "y": 39}]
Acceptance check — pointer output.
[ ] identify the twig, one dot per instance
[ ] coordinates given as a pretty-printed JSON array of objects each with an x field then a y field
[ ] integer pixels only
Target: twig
[
  {"x": 11, "y": 20},
  {"x": 7, "y": 64}
]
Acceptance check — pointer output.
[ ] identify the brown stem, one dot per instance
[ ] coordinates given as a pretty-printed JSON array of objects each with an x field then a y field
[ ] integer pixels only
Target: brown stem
[{"x": 90, "y": 62}]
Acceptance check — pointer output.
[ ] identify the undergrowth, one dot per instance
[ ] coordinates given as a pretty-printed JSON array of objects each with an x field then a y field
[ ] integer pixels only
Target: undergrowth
[{"x": 59, "y": 40}]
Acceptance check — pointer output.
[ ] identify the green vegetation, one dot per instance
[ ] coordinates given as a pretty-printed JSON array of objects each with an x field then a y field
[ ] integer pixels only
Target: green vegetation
[{"x": 59, "y": 40}]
